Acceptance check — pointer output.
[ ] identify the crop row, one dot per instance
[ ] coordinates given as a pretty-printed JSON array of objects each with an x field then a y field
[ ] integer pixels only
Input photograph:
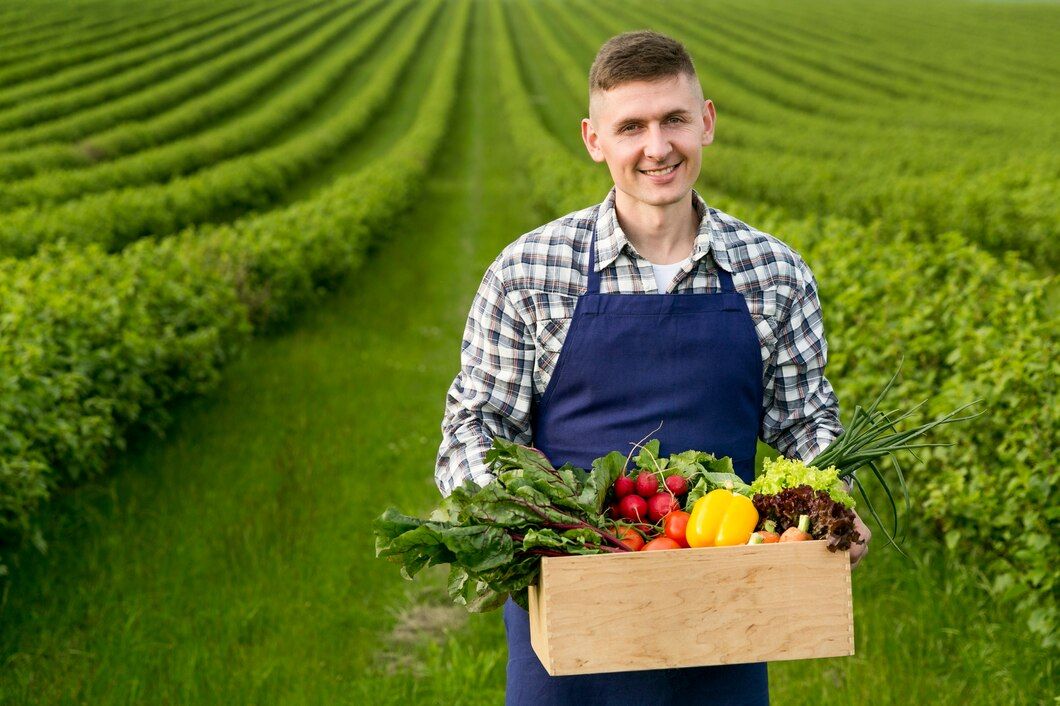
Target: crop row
[
  {"x": 206, "y": 107},
  {"x": 793, "y": 99},
  {"x": 249, "y": 131},
  {"x": 969, "y": 325},
  {"x": 154, "y": 41},
  {"x": 969, "y": 48},
  {"x": 21, "y": 39},
  {"x": 160, "y": 319},
  {"x": 31, "y": 115},
  {"x": 758, "y": 109},
  {"x": 823, "y": 29},
  {"x": 114, "y": 219},
  {"x": 748, "y": 117},
  {"x": 929, "y": 40},
  {"x": 29, "y": 78},
  {"x": 1009, "y": 204}
]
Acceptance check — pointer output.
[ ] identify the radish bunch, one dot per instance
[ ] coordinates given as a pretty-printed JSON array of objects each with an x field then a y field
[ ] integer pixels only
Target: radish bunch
[{"x": 646, "y": 498}]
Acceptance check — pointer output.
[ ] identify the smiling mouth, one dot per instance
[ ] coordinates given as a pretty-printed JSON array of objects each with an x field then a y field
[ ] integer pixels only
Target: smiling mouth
[{"x": 663, "y": 171}]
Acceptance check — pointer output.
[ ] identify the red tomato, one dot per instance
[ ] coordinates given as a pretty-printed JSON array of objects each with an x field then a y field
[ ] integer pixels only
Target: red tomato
[
  {"x": 631, "y": 538},
  {"x": 674, "y": 526},
  {"x": 660, "y": 543}
]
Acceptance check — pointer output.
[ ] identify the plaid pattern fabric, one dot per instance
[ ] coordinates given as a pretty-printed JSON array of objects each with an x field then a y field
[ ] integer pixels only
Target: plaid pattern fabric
[{"x": 523, "y": 309}]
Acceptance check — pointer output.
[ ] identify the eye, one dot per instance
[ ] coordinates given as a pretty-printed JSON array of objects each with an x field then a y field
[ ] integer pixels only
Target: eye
[
  {"x": 675, "y": 119},
  {"x": 628, "y": 127}
]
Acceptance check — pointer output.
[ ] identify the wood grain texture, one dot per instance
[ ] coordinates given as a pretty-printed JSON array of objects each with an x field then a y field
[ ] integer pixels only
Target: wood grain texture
[{"x": 721, "y": 605}]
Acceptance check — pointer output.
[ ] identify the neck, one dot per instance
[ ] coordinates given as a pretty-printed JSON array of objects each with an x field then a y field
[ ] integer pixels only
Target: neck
[{"x": 663, "y": 234}]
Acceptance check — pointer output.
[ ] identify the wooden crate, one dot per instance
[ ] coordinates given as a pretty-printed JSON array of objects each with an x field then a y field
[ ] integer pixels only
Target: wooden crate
[{"x": 692, "y": 607}]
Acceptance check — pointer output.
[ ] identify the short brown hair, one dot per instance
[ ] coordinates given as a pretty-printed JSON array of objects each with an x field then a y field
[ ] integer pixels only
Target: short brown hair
[{"x": 638, "y": 56}]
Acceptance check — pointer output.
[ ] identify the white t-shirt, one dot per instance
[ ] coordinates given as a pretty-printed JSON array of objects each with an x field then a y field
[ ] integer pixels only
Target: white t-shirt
[{"x": 664, "y": 274}]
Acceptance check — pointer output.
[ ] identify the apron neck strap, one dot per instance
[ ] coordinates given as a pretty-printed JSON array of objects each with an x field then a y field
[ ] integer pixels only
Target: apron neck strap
[
  {"x": 725, "y": 278},
  {"x": 594, "y": 276}
]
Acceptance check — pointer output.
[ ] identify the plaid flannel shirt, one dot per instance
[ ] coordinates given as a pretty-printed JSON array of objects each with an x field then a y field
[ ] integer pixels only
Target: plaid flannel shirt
[{"x": 523, "y": 308}]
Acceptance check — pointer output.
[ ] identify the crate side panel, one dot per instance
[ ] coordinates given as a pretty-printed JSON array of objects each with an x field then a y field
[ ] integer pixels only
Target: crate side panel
[{"x": 724, "y": 605}]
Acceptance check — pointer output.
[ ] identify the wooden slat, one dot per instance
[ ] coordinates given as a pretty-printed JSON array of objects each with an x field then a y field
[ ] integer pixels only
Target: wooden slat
[{"x": 720, "y": 605}]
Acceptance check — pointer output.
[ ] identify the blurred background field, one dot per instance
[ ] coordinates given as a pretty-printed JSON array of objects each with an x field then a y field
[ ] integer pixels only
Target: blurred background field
[{"x": 239, "y": 242}]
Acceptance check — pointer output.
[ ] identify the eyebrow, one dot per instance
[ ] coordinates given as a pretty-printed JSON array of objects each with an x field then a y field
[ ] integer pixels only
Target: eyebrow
[{"x": 637, "y": 119}]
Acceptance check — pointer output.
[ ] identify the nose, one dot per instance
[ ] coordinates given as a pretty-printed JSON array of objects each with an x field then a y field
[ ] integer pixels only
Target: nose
[{"x": 658, "y": 147}]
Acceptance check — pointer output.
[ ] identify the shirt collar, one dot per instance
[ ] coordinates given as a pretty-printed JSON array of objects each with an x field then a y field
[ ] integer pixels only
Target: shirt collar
[{"x": 611, "y": 240}]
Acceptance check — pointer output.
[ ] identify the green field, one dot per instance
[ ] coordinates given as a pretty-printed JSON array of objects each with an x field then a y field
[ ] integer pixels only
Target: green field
[{"x": 237, "y": 248}]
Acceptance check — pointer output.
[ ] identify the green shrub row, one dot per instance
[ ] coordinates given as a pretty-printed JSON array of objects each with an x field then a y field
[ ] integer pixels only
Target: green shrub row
[
  {"x": 1014, "y": 206},
  {"x": 1013, "y": 202},
  {"x": 772, "y": 111},
  {"x": 1007, "y": 197},
  {"x": 790, "y": 44},
  {"x": 249, "y": 131},
  {"x": 773, "y": 41},
  {"x": 32, "y": 79},
  {"x": 189, "y": 116},
  {"x": 894, "y": 29},
  {"x": 106, "y": 101},
  {"x": 97, "y": 33},
  {"x": 255, "y": 181},
  {"x": 96, "y": 344},
  {"x": 969, "y": 325},
  {"x": 27, "y": 85}
]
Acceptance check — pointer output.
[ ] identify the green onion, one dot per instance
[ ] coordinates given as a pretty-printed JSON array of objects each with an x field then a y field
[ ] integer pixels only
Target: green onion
[{"x": 871, "y": 437}]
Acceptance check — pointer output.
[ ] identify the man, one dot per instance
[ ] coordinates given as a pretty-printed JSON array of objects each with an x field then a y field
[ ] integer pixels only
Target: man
[{"x": 648, "y": 308}]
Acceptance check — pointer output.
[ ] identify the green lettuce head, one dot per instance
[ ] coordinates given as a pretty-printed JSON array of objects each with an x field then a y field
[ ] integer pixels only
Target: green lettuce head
[{"x": 780, "y": 473}]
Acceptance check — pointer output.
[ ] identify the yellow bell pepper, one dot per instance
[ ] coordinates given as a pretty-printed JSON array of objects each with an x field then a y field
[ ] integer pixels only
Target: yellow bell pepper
[{"x": 721, "y": 518}]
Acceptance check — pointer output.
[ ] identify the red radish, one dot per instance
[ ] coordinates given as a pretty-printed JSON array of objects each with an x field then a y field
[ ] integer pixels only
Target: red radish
[
  {"x": 660, "y": 505},
  {"x": 677, "y": 484},
  {"x": 647, "y": 484},
  {"x": 660, "y": 543},
  {"x": 633, "y": 507},
  {"x": 623, "y": 486}
]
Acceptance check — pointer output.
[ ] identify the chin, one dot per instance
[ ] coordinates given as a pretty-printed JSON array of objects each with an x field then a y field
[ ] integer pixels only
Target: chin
[{"x": 665, "y": 198}]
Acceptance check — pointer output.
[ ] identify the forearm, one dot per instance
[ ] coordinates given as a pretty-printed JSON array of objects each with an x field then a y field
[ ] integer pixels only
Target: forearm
[{"x": 491, "y": 396}]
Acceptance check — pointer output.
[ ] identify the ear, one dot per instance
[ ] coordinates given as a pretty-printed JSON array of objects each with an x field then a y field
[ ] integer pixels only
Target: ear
[
  {"x": 709, "y": 120},
  {"x": 591, "y": 140}
]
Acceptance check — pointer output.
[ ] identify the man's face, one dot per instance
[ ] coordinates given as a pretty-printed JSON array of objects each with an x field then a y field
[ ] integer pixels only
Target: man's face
[{"x": 651, "y": 134}]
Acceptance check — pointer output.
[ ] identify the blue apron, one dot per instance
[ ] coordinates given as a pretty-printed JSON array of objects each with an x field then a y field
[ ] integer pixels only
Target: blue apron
[{"x": 629, "y": 362}]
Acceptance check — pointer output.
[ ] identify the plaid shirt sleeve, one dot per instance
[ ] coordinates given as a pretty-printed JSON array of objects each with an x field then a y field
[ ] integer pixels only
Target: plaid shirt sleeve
[
  {"x": 801, "y": 410},
  {"x": 492, "y": 393}
]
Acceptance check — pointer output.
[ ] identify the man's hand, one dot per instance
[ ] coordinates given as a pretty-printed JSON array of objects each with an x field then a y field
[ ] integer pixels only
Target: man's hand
[{"x": 858, "y": 551}]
